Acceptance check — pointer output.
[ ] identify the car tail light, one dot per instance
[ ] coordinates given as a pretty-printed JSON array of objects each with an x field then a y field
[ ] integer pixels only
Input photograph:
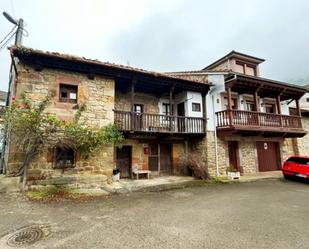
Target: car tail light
[{"x": 286, "y": 164}]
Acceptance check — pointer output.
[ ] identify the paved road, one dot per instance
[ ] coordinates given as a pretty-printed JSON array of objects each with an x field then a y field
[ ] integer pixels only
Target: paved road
[{"x": 269, "y": 214}]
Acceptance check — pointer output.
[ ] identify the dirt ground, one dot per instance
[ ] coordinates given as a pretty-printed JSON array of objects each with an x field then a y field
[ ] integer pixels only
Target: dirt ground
[{"x": 264, "y": 214}]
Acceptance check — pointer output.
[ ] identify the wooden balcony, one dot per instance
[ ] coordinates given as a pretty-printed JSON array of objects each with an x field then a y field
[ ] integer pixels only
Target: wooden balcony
[
  {"x": 258, "y": 123},
  {"x": 157, "y": 123}
]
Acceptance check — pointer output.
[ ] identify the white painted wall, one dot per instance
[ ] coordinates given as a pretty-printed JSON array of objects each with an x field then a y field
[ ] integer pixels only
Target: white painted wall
[
  {"x": 188, "y": 98},
  {"x": 213, "y": 99}
]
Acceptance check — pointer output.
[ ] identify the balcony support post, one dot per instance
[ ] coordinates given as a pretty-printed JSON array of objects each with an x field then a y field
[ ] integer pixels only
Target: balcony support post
[
  {"x": 256, "y": 106},
  {"x": 278, "y": 103},
  {"x": 229, "y": 105},
  {"x": 298, "y": 107},
  {"x": 132, "y": 102},
  {"x": 256, "y": 101},
  {"x": 171, "y": 114}
]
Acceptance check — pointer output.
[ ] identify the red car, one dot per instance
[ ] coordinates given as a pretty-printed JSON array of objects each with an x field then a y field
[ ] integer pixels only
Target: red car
[{"x": 296, "y": 166}]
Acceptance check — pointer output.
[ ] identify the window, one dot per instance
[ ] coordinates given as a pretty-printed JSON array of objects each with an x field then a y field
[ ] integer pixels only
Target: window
[
  {"x": 138, "y": 108},
  {"x": 196, "y": 107},
  {"x": 166, "y": 109},
  {"x": 251, "y": 70},
  {"x": 234, "y": 103},
  {"x": 299, "y": 160},
  {"x": 64, "y": 158},
  {"x": 307, "y": 99},
  {"x": 68, "y": 93},
  {"x": 270, "y": 108},
  {"x": 240, "y": 67},
  {"x": 293, "y": 111},
  {"x": 250, "y": 106}
]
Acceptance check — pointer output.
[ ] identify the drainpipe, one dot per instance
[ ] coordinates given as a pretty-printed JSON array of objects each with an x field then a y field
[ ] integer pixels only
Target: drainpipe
[{"x": 215, "y": 133}]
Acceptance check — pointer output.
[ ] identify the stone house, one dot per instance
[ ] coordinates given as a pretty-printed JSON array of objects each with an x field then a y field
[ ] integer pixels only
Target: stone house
[
  {"x": 226, "y": 112},
  {"x": 159, "y": 115},
  {"x": 250, "y": 126}
]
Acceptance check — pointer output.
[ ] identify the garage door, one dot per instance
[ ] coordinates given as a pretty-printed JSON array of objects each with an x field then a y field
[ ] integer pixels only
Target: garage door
[{"x": 268, "y": 155}]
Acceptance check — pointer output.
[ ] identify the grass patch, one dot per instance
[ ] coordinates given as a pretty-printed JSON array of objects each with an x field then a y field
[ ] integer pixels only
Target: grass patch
[
  {"x": 220, "y": 180},
  {"x": 58, "y": 193}
]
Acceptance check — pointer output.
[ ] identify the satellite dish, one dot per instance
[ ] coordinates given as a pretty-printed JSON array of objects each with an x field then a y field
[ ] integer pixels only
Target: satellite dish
[{"x": 9, "y": 18}]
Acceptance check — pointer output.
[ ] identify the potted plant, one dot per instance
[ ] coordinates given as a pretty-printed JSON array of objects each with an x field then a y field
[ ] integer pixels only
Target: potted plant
[{"x": 232, "y": 173}]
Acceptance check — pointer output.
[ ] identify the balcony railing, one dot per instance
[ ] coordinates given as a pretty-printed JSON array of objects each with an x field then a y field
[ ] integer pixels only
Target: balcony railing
[
  {"x": 257, "y": 119},
  {"x": 157, "y": 123}
]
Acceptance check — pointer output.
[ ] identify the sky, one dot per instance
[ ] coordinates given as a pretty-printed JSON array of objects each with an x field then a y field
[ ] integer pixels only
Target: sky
[{"x": 167, "y": 35}]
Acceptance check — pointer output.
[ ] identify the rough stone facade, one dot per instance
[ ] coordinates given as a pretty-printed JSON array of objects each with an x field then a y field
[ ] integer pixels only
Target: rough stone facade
[
  {"x": 303, "y": 143},
  {"x": 247, "y": 152},
  {"x": 140, "y": 159},
  {"x": 150, "y": 102},
  {"x": 98, "y": 95}
]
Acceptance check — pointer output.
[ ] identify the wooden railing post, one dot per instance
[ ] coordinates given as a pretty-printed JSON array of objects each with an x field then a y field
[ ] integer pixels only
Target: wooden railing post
[{"x": 278, "y": 103}]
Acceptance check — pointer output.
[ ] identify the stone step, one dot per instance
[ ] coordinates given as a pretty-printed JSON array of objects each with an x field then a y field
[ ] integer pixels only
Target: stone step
[{"x": 9, "y": 184}]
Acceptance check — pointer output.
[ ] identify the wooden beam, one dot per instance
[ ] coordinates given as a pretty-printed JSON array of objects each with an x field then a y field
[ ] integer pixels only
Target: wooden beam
[
  {"x": 298, "y": 107},
  {"x": 229, "y": 105},
  {"x": 171, "y": 108},
  {"x": 133, "y": 82},
  {"x": 278, "y": 102},
  {"x": 256, "y": 101}
]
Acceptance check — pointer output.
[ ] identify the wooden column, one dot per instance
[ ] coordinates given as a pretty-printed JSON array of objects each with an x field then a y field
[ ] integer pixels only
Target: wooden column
[
  {"x": 229, "y": 105},
  {"x": 204, "y": 111},
  {"x": 132, "y": 102},
  {"x": 298, "y": 107},
  {"x": 256, "y": 101},
  {"x": 278, "y": 102},
  {"x": 171, "y": 109}
]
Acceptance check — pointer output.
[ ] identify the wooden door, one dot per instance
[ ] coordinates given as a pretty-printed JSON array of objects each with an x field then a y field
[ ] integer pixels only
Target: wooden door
[
  {"x": 123, "y": 161},
  {"x": 166, "y": 159},
  {"x": 181, "y": 121},
  {"x": 234, "y": 155},
  {"x": 268, "y": 155},
  {"x": 153, "y": 158}
]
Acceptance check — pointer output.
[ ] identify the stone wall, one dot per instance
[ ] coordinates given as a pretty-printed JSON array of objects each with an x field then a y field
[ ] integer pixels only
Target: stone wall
[
  {"x": 140, "y": 159},
  {"x": 303, "y": 142},
  {"x": 247, "y": 155},
  {"x": 98, "y": 95},
  {"x": 150, "y": 102}
]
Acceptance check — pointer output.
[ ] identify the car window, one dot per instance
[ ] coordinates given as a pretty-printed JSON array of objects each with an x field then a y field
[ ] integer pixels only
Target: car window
[{"x": 299, "y": 160}]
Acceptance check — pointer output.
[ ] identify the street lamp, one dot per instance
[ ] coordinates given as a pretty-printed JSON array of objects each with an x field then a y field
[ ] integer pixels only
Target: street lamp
[
  {"x": 9, "y": 18},
  {"x": 20, "y": 27}
]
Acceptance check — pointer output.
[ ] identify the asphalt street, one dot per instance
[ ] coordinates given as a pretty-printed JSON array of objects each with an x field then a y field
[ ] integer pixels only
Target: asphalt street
[{"x": 265, "y": 214}]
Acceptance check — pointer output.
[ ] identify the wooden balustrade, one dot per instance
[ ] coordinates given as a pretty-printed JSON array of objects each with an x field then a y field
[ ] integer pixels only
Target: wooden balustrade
[
  {"x": 257, "y": 119},
  {"x": 148, "y": 122}
]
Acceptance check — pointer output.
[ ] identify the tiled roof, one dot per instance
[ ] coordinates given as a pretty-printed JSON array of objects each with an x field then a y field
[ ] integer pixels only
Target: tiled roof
[{"x": 25, "y": 50}]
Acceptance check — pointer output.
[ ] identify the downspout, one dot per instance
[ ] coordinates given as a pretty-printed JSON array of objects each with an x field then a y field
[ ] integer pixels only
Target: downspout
[
  {"x": 215, "y": 131},
  {"x": 215, "y": 136}
]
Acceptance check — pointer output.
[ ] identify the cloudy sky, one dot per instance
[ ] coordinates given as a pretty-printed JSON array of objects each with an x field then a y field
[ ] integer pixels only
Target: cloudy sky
[{"x": 168, "y": 35}]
